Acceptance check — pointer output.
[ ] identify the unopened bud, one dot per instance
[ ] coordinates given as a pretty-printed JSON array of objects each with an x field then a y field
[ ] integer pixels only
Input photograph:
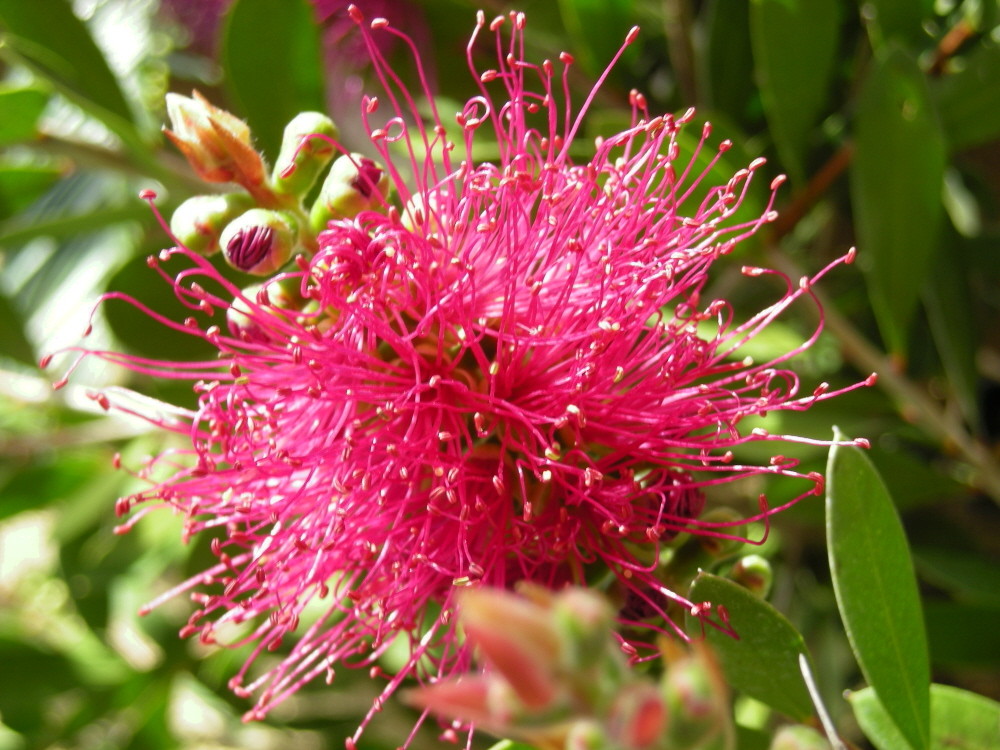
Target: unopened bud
[
  {"x": 259, "y": 241},
  {"x": 306, "y": 149},
  {"x": 517, "y": 638},
  {"x": 584, "y": 619},
  {"x": 586, "y": 735},
  {"x": 198, "y": 222},
  {"x": 753, "y": 572},
  {"x": 724, "y": 521},
  {"x": 799, "y": 737},
  {"x": 355, "y": 184},
  {"x": 249, "y": 317},
  {"x": 697, "y": 701},
  {"x": 215, "y": 142},
  {"x": 638, "y": 717}
]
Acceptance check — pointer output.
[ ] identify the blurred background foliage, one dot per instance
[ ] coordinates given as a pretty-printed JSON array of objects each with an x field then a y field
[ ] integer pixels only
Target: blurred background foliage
[{"x": 884, "y": 114}]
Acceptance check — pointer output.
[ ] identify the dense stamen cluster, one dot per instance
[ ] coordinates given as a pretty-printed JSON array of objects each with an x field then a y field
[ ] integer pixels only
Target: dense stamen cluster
[{"x": 512, "y": 375}]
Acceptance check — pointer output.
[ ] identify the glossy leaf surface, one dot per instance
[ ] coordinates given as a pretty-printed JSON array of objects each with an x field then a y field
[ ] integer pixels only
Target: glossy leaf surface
[
  {"x": 763, "y": 660},
  {"x": 877, "y": 591},
  {"x": 960, "y": 720}
]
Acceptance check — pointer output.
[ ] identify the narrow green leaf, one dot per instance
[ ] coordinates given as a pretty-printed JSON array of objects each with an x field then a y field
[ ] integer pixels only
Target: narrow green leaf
[
  {"x": 21, "y": 109},
  {"x": 596, "y": 28},
  {"x": 794, "y": 48},
  {"x": 954, "y": 327},
  {"x": 20, "y": 186},
  {"x": 763, "y": 661},
  {"x": 963, "y": 635},
  {"x": 877, "y": 591},
  {"x": 727, "y": 61},
  {"x": 900, "y": 21},
  {"x": 896, "y": 181},
  {"x": 47, "y": 36},
  {"x": 271, "y": 56},
  {"x": 960, "y": 720},
  {"x": 969, "y": 100},
  {"x": 969, "y": 577},
  {"x": 13, "y": 341}
]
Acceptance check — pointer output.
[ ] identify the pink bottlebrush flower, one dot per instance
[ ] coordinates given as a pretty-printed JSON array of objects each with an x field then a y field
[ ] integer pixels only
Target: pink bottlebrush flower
[{"x": 509, "y": 376}]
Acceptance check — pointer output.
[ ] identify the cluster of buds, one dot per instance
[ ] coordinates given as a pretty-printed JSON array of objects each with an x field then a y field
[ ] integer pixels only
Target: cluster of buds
[
  {"x": 273, "y": 217},
  {"x": 556, "y": 676}
]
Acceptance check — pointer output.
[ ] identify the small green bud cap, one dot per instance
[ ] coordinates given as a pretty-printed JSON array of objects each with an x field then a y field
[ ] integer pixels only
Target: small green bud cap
[
  {"x": 259, "y": 241},
  {"x": 799, "y": 737},
  {"x": 355, "y": 184},
  {"x": 198, "y": 222},
  {"x": 306, "y": 148},
  {"x": 753, "y": 572}
]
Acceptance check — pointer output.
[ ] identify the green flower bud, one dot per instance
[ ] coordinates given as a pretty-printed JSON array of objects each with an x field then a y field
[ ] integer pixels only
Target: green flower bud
[
  {"x": 198, "y": 222},
  {"x": 249, "y": 315},
  {"x": 729, "y": 524},
  {"x": 638, "y": 717},
  {"x": 799, "y": 737},
  {"x": 306, "y": 149},
  {"x": 697, "y": 702},
  {"x": 587, "y": 735},
  {"x": 754, "y": 573},
  {"x": 259, "y": 241},
  {"x": 215, "y": 142},
  {"x": 355, "y": 184}
]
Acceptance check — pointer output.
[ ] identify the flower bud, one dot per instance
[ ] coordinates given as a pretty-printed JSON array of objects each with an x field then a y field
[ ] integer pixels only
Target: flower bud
[
  {"x": 250, "y": 314},
  {"x": 753, "y": 572},
  {"x": 586, "y": 735},
  {"x": 583, "y": 619},
  {"x": 518, "y": 640},
  {"x": 638, "y": 717},
  {"x": 306, "y": 149},
  {"x": 198, "y": 222},
  {"x": 697, "y": 701},
  {"x": 799, "y": 737},
  {"x": 355, "y": 183},
  {"x": 727, "y": 522},
  {"x": 215, "y": 142},
  {"x": 259, "y": 241}
]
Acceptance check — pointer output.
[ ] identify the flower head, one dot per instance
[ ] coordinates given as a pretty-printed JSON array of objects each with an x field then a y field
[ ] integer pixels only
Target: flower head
[{"x": 509, "y": 375}]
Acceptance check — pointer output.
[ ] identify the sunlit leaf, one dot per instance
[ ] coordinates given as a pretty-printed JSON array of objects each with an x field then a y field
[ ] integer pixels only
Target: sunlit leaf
[
  {"x": 877, "y": 591},
  {"x": 21, "y": 109},
  {"x": 763, "y": 661},
  {"x": 960, "y": 720},
  {"x": 47, "y": 35}
]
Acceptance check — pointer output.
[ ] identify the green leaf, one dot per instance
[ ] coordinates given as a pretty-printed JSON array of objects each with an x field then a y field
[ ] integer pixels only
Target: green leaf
[
  {"x": 763, "y": 661},
  {"x": 877, "y": 591},
  {"x": 969, "y": 100},
  {"x": 794, "y": 47},
  {"x": 13, "y": 342},
  {"x": 597, "y": 29},
  {"x": 963, "y": 635},
  {"x": 899, "y": 21},
  {"x": 969, "y": 577},
  {"x": 271, "y": 56},
  {"x": 727, "y": 60},
  {"x": 896, "y": 181},
  {"x": 49, "y": 38},
  {"x": 949, "y": 304},
  {"x": 21, "y": 109},
  {"x": 960, "y": 720},
  {"x": 20, "y": 186}
]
